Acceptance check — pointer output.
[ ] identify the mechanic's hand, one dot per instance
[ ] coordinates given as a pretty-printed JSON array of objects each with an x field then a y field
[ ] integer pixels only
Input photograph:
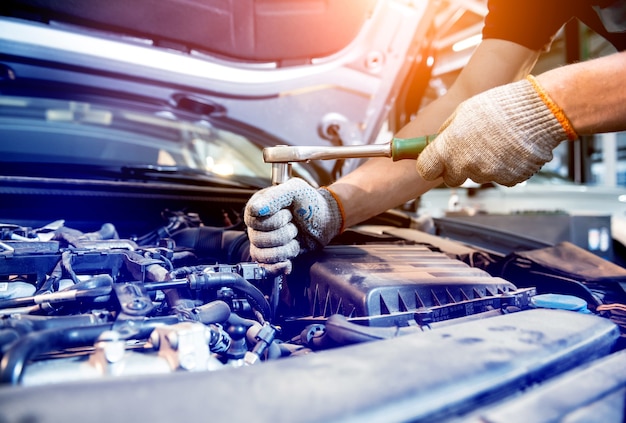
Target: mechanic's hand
[
  {"x": 504, "y": 135},
  {"x": 288, "y": 219}
]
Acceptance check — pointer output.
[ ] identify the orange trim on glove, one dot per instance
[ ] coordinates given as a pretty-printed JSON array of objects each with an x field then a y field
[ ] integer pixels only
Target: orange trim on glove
[{"x": 554, "y": 108}]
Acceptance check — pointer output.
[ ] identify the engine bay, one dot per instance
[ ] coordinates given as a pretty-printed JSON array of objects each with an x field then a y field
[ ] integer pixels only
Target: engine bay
[
  {"x": 182, "y": 308},
  {"x": 186, "y": 297}
]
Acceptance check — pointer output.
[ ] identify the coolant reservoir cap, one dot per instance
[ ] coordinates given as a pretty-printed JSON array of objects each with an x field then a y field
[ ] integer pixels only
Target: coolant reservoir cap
[{"x": 560, "y": 301}]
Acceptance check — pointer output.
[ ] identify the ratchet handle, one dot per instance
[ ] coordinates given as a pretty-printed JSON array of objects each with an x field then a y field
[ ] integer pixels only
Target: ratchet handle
[{"x": 409, "y": 148}]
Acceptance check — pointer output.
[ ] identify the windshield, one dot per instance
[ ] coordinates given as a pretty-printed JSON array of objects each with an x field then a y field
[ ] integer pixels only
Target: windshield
[{"x": 44, "y": 130}]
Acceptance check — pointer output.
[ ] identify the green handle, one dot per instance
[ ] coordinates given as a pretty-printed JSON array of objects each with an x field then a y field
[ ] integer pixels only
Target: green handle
[{"x": 409, "y": 148}]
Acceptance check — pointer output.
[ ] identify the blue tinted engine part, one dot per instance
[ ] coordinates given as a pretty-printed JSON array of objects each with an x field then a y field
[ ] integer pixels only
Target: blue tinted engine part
[{"x": 386, "y": 285}]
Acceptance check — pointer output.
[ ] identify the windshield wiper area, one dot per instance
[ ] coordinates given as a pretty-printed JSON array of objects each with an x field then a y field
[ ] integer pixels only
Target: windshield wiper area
[{"x": 180, "y": 174}]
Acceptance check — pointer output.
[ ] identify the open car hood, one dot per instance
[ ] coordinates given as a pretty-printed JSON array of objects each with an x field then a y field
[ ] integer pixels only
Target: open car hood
[{"x": 312, "y": 73}]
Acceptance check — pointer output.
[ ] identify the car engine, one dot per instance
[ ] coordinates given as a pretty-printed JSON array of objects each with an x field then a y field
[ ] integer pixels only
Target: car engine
[{"x": 186, "y": 297}]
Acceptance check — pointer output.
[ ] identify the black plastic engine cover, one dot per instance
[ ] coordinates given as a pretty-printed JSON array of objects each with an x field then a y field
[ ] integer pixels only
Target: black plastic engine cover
[{"x": 397, "y": 280}]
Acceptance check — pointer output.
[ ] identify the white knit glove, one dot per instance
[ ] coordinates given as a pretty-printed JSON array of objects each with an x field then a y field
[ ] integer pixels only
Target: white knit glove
[
  {"x": 504, "y": 135},
  {"x": 289, "y": 219}
]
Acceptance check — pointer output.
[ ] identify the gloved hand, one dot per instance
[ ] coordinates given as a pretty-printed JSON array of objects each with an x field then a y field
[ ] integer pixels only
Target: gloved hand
[
  {"x": 288, "y": 219},
  {"x": 504, "y": 135}
]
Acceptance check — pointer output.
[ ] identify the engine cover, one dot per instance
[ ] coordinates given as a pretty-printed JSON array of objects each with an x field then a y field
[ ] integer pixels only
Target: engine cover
[{"x": 390, "y": 284}]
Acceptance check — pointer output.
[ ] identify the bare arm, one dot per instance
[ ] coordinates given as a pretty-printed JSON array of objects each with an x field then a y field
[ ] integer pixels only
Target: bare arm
[
  {"x": 592, "y": 94},
  {"x": 381, "y": 184}
]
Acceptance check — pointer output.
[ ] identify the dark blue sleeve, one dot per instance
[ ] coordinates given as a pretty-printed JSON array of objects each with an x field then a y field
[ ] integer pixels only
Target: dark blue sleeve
[{"x": 531, "y": 23}]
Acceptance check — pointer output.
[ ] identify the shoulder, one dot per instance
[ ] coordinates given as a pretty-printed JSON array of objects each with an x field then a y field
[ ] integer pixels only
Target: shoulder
[{"x": 531, "y": 23}]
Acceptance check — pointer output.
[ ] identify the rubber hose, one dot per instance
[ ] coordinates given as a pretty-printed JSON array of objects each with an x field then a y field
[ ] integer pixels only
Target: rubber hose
[
  {"x": 233, "y": 280},
  {"x": 214, "y": 312},
  {"x": 14, "y": 360}
]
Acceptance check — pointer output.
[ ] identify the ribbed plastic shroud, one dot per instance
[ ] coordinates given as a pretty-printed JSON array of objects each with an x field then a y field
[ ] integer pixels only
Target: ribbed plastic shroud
[{"x": 379, "y": 282}]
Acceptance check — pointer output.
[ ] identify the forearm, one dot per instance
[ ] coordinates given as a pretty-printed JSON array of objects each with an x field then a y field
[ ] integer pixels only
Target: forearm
[
  {"x": 381, "y": 184},
  {"x": 592, "y": 94},
  {"x": 364, "y": 197}
]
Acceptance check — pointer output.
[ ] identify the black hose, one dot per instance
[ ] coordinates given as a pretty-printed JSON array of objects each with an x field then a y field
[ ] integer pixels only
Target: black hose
[
  {"x": 232, "y": 280},
  {"x": 98, "y": 281},
  {"x": 214, "y": 312},
  {"x": 182, "y": 272},
  {"x": 58, "y": 338},
  {"x": 14, "y": 360},
  {"x": 162, "y": 285},
  {"x": 236, "y": 320}
]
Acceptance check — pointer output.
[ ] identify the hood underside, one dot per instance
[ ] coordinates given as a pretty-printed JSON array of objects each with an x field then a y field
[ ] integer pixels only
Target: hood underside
[
  {"x": 309, "y": 73},
  {"x": 249, "y": 31}
]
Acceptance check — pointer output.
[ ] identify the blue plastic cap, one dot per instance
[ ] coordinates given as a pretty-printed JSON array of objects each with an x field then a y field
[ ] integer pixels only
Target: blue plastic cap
[{"x": 560, "y": 301}]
